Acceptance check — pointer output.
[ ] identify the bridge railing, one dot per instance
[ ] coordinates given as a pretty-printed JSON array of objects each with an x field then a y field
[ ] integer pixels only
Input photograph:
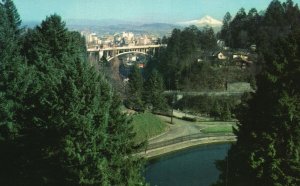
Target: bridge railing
[{"x": 125, "y": 47}]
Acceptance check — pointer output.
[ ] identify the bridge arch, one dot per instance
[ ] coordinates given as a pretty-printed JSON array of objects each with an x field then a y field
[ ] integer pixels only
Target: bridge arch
[{"x": 130, "y": 52}]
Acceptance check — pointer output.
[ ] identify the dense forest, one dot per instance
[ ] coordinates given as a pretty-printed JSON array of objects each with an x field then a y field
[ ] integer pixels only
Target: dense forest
[
  {"x": 189, "y": 62},
  {"x": 267, "y": 150},
  {"x": 259, "y": 28},
  {"x": 61, "y": 122}
]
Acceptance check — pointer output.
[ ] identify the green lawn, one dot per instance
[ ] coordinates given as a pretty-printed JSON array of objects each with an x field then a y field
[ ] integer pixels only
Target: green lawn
[
  {"x": 147, "y": 125},
  {"x": 218, "y": 129}
]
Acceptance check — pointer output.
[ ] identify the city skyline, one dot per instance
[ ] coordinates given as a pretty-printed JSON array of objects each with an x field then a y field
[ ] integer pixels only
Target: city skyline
[{"x": 166, "y": 11}]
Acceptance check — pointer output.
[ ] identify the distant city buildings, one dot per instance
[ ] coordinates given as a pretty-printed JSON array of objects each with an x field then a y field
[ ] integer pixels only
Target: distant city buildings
[{"x": 96, "y": 41}]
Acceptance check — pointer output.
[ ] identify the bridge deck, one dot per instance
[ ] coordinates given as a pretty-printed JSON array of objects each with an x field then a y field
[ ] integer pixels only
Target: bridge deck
[{"x": 124, "y": 48}]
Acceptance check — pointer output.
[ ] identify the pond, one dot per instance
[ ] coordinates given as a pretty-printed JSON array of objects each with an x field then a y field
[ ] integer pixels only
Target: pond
[{"x": 193, "y": 166}]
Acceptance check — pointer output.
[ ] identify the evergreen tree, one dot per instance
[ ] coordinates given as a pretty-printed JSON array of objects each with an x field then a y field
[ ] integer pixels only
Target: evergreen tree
[
  {"x": 135, "y": 89},
  {"x": 164, "y": 40},
  {"x": 64, "y": 118},
  {"x": 274, "y": 15},
  {"x": 292, "y": 14},
  {"x": 253, "y": 21},
  {"x": 55, "y": 110},
  {"x": 125, "y": 168},
  {"x": 207, "y": 39},
  {"x": 153, "y": 92},
  {"x": 238, "y": 29},
  {"x": 267, "y": 150},
  {"x": 170, "y": 59},
  {"x": 278, "y": 20},
  {"x": 13, "y": 16},
  {"x": 184, "y": 48},
  {"x": 15, "y": 80},
  {"x": 225, "y": 32}
]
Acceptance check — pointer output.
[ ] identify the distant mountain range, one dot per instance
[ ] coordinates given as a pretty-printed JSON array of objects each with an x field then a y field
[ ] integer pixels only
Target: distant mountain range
[
  {"x": 159, "y": 29},
  {"x": 204, "y": 21},
  {"x": 110, "y": 26}
]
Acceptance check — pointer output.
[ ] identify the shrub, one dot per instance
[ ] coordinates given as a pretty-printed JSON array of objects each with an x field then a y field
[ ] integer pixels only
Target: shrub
[{"x": 186, "y": 118}]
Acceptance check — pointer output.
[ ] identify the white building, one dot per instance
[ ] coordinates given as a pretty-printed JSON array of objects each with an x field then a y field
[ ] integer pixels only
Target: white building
[
  {"x": 144, "y": 40},
  {"x": 93, "y": 39},
  {"x": 128, "y": 35}
]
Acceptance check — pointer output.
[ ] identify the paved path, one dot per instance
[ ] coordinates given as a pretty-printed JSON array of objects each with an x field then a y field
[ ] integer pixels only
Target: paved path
[{"x": 178, "y": 129}]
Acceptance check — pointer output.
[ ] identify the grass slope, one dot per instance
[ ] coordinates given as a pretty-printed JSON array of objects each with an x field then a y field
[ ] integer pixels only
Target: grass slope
[{"x": 147, "y": 125}]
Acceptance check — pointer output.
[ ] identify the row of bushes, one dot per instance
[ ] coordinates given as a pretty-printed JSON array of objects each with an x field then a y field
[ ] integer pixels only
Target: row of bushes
[
  {"x": 218, "y": 107},
  {"x": 186, "y": 118}
]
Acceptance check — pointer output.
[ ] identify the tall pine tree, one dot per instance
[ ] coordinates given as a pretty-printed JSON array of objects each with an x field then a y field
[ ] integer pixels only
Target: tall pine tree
[
  {"x": 15, "y": 80},
  {"x": 135, "y": 89},
  {"x": 124, "y": 166},
  {"x": 12, "y": 16},
  {"x": 153, "y": 92},
  {"x": 56, "y": 112}
]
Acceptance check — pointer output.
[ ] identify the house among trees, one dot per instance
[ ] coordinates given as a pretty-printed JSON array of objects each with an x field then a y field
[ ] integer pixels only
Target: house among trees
[
  {"x": 253, "y": 47},
  {"x": 221, "y": 56},
  {"x": 243, "y": 58}
]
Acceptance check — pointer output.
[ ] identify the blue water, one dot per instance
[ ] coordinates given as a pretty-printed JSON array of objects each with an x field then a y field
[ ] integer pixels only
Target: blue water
[{"x": 195, "y": 166}]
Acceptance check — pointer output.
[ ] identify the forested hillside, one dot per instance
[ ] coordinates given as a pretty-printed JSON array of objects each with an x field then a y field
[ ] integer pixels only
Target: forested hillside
[{"x": 268, "y": 134}]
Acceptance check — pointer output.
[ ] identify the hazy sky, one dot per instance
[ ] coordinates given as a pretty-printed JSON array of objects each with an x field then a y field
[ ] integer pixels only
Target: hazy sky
[{"x": 134, "y": 10}]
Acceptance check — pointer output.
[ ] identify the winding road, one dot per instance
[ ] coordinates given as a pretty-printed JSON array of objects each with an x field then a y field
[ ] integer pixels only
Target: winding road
[
  {"x": 178, "y": 129},
  {"x": 181, "y": 128}
]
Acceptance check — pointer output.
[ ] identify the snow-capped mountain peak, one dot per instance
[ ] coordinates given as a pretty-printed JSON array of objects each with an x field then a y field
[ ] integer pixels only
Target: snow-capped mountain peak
[
  {"x": 209, "y": 20},
  {"x": 206, "y": 20}
]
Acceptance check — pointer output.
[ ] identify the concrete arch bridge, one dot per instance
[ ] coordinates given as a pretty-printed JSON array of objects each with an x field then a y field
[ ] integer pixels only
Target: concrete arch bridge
[{"x": 113, "y": 52}]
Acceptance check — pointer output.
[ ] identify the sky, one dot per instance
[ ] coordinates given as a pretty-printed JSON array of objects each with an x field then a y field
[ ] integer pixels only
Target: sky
[{"x": 167, "y": 11}]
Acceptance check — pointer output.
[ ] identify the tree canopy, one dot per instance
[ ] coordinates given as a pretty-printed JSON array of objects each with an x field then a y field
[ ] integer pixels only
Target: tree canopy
[
  {"x": 184, "y": 47},
  {"x": 153, "y": 92},
  {"x": 59, "y": 116},
  {"x": 260, "y": 28},
  {"x": 135, "y": 89}
]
